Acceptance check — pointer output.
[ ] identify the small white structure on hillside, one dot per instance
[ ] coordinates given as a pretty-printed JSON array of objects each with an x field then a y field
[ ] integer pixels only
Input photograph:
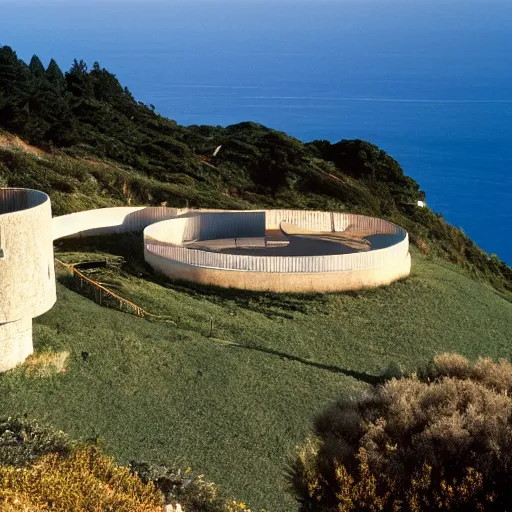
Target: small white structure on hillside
[{"x": 27, "y": 277}]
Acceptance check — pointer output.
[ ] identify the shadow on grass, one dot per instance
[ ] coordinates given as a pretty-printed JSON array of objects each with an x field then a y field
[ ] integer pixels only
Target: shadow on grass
[
  {"x": 507, "y": 298},
  {"x": 373, "y": 380},
  {"x": 267, "y": 303},
  {"x": 129, "y": 246}
]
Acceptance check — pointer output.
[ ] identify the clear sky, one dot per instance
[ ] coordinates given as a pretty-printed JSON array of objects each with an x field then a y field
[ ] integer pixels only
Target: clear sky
[{"x": 29, "y": 24}]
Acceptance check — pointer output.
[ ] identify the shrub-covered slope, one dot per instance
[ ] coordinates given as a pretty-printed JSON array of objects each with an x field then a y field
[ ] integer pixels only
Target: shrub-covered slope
[
  {"x": 42, "y": 469},
  {"x": 102, "y": 147}
]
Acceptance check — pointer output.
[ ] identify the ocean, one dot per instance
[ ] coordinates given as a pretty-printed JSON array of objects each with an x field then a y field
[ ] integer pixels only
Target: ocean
[{"x": 430, "y": 82}]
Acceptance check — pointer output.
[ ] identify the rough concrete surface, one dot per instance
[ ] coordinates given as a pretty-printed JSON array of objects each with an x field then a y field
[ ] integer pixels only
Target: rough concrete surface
[
  {"x": 283, "y": 282},
  {"x": 15, "y": 343},
  {"x": 27, "y": 277}
]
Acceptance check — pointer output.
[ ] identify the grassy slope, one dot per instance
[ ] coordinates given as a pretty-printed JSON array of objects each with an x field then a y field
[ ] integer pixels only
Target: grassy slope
[{"x": 235, "y": 405}]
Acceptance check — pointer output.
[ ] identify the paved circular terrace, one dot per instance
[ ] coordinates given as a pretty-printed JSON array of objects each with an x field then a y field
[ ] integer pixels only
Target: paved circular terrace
[
  {"x": 291, "y": 241},
  {"x": 279, "y": 250},
  {"x": 293, "y": 251}
]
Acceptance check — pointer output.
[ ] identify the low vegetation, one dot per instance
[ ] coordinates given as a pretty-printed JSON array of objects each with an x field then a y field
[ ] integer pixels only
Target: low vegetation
[
  {"x": 85, "y": 480},
  {"x": 45, "y": 364},
  {"x": 42, "y": 469},
  {"x": 440, "y": 439},
  {"x": 230, "y": 388}
]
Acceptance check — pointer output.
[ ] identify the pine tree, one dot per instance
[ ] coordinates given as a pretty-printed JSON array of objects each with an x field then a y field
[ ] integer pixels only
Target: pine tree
[
  {"x": 106, "y": 86},
  {"x": 78, "y": 80},
  {"x": 14, "y": 90},
  {"x": 55, "y": 76},
  {"x": 36, "y": 67},
  {"x": 62, "y": 129}
]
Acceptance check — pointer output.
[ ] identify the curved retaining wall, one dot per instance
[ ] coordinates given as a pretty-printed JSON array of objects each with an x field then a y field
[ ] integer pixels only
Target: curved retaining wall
[
  {"x": 196, "y": 224},
  {"x": 283, "y": 273},
  {"x": 328, "y": 221},
  {"x": 282, "y": 264},
  {"x": 15, "y": 343},
  {"x": 282, "y": 282},
  {"x": 27, "y": 275},
  {"x": 167, "y": 229},
  {"x": 207, "y": 226},
  {"x": 107, "y": 221}
]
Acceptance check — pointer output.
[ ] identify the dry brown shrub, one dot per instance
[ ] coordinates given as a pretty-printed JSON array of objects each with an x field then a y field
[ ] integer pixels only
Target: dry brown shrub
[
  {"x": 440, "y": 440},
  {"x": 45, "y": 364},
  {"x": 9, "y": 141},
  {"x": 84, "y": 481},
  {"x": 422, "y": 246},
  {"x": 493, "y": 375},
  {"x": 449, "y": 365}
]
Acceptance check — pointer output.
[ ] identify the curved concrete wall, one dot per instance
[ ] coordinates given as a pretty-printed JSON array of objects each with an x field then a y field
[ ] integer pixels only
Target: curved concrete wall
[
  {"x": 27, "y": 276},
  {"x": 213, "y": 225},
  {"x": 207, "y": 226},
  {"x": 167, "y": 229},
  {"x": 15, "y": 343},
  {"x": 158, "y": 237},
  {"x": 282, "y": 264},
  {"x": 110, "y": 220},
  {"x": 328, "y": 221},
  {"x": 314, "y": 282},
  {"x": 313, "y": 221},
  {"x": 282, "y": 273}
]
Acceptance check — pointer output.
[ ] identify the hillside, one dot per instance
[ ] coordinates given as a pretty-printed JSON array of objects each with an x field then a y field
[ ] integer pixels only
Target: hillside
[
  {"x": 226, "y": 382},
  {"x": 234, "y": 401},
  {"x": 97, "y": 146}
]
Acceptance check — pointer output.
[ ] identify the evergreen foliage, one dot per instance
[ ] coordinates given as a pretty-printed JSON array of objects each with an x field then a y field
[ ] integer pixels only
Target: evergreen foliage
[{"x": 36, "y": 67}]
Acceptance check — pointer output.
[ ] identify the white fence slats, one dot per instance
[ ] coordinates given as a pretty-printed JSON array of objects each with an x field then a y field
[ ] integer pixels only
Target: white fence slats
[
  {"x": 204, "y": 225},
  {"x": 209, "y": 226}
]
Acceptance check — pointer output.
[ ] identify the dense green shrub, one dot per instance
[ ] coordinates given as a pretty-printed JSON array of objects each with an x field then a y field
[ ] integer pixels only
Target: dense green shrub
[{"x": 441, "y": 439}]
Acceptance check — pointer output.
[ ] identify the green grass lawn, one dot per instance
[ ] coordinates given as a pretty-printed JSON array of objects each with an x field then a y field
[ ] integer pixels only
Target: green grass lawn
[{"x": 233, "y": 403}]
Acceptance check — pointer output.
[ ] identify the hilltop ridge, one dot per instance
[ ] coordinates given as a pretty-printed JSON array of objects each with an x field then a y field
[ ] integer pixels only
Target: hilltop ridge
[{"x": 92, "y": 145}]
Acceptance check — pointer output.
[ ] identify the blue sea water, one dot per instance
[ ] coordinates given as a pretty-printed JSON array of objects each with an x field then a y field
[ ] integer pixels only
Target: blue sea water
[{"x": 428, "y": 81}]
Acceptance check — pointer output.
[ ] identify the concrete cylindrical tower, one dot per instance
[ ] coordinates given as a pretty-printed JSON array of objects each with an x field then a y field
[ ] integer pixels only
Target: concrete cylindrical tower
[{"x": 27, "y": 275}]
